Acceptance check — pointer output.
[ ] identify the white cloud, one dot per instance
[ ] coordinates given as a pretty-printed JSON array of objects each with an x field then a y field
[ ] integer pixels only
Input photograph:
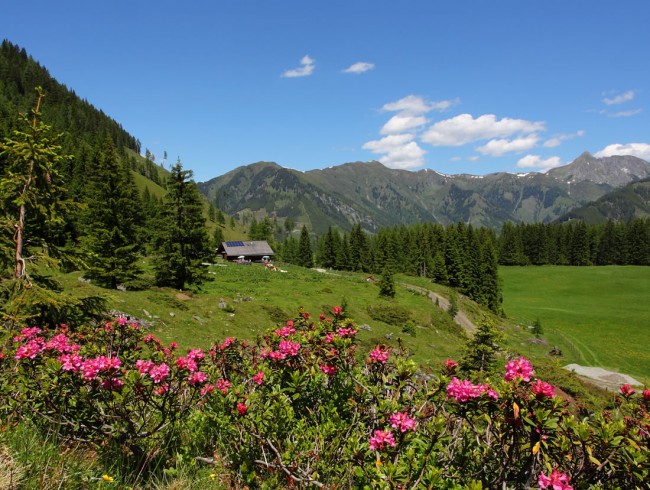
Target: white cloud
[
  {"x": 400, "y": 151},
  {"x": 559, "y": 138},
  {"x": 535, "y": 161},
  {"x": 416, "y": 105},
  {"x": 498, "y": 147},
  {"x": 306, "y": 68},
  {"x": 631, "y": 113},
  {"x": 360, "y": 67},
  {"x": 463, "y": 129},
  {"x": 639, "y": 150},
  {"x": 400, "y": 123},
  {"x": 620, "y": 98}
]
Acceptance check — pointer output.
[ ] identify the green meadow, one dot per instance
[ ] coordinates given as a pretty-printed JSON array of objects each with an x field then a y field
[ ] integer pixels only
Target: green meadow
[{"x": 598, "y": 316}]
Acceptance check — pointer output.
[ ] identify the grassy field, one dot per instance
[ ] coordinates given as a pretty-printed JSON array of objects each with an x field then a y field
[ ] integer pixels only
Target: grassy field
[
  {"x": 598, "y": 316},
  {"x": 256, "y": 299}
]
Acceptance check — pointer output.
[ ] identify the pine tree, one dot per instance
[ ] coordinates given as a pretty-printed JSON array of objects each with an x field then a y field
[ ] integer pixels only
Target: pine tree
[
  {"x": 387, "y": 283},
  {"x": 481, "y": 350},
  {"x": 305, "y": 254},
  {"x": 183, "y": 243},
  {"x": 32, "y": 211},
  {"x": 111, "y": 220}
]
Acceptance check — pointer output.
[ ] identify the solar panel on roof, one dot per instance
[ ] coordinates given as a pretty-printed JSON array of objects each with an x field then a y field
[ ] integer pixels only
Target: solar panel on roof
[{"x": 235, "y": 244}]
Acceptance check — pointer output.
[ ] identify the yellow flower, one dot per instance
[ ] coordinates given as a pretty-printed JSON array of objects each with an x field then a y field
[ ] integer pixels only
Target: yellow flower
[
  {"x": 213, "y": 476},
  {"x": 107, "y": 478}
]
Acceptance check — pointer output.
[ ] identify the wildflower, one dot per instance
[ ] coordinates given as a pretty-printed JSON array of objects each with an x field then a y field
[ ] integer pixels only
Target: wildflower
[
  {"x": 61, "y": 343},
  {"x": 187, "y": 363},
  {"x": 143, "y": 366},
  {"x": 197, "y": 378},
  {"x": 71, "y": 362},
  {"x": 276, "y": 355},
  {"x": 329, "y": 370},
  {"x": 646, "y": 393},
  {"x": 338, "y": 310},
  {"x": 519, "y": 368},
  {"x": 207, "y": 390},
  {"x": 321, "y": 317},
  {"x": 381, "y": 439},
  {"x": 289, "y": 348},
  {"x": 107, "y": 478},
  {"x": 627, "y": 391},
  {"x": 402, "y": 421},
  {"x": 556, "y": 481},
  {"x": 173, "y": 345},
  {"x": 451, "y": 365},
  {"x": 121, "y": 320},
  {"x": 223, "y": 385},
  {"x": 329, "y": 337},
  {"x": 259, "y": 378},
  {"x": 285, "y": 331},
  {"x": 112, "y": 384},
  {"x": 226, "y": 343},
  {"x": 162, "y": 389},
  {"x": 196, "y": 355},
  {"x": 346, "y": 332},
  {"x": 159, "y": 373},
  {"x": 242, "y": 408},
  {"x": 542, "y": 389},
  {"x": 30, "y": 350},
  {"x": 27, "y": 333},
  {"x": 379, "y": 354},
  {"x": 463, "y": 391}
]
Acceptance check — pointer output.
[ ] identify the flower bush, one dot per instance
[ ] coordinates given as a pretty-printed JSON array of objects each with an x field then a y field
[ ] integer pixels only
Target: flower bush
[{"x": 303, "y": 407}]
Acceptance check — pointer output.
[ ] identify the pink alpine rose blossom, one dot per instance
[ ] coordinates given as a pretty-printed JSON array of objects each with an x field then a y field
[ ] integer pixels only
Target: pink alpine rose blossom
[
  {"x": 402, "y": 421},
  {"x": 463, "y": 391},
  {"x": 289, "y": 348},
  {"x": 519, "y": 368},
  {"x": 627, "y": 391},
  {"x": 207, "y": 390},
  {"x": 337, "y": 310},
  {"x": 197, "y": 378},
  {"x": 143, "y": 366},
  {"x": 556, "y": 481},
  {"x": 379, "y": 354},
  {"x": 451, "y": 365},
  {"x": 542, "y": 389},
  {"x": 328, "y": 369},
  {"x": 285, "y": 331},
  {"x": 71, "y": 362},
  {"x": 159, "y": 373},
  {"x": 646, "y": 395},
  {"x": 380, "y": 439},
  {"x": 259, "y": 378},
  {"x": 222, "y": 385},
  {"x": 242, "y": 408}
]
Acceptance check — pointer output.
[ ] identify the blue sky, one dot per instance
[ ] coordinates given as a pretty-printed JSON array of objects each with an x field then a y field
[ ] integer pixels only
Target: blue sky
[{"x": 455, "y": 86}]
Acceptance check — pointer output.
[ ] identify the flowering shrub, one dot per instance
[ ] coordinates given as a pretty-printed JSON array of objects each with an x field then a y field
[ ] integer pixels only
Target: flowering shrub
[{"x": 302, "y": 407}]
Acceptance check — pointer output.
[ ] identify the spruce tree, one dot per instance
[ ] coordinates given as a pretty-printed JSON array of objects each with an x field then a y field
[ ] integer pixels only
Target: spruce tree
[
  {"x": 111, "y": 220},
  {"x": 32, "y": 213},
  {"x": 387, "y": 283},
  {"x": 481, "y": 350},
  {"x": 182, "y": 244},
  {"x": 305, "y": 254}
]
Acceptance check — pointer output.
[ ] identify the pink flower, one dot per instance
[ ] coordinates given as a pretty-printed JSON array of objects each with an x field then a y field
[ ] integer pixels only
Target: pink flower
[
  {"x": 27, "y": 333},
  {"x": 289, "y": 348},
  {"x": 402, "y": 421},
  {"x": 162, "y": 389},
  {"x": 226, "y": 343},
  {"x": 646, "y": 395},
  {"x": 346, "y": 332},
  {"x": 91, "y": 368},
  {"x": 31, "y": 349},
  {"x": 338, "y": 310},
  {"x": 542, "y": 389},
  {"x": 627, "y": 391},
  {"x": 71, "y": 362},
  {"x": 556, "y": 481},
  {"x": 187, "y": 363},
  {"x": 519, "y": 368},
  {"x": 207, "y": 390},
  {"x": 329, "y": 370},
  {"x": 197, "y": 378},
  {"x": 463, "y": 391},
  {"x": 276, "y": 355},
  {"x": 112, "y": 384},
  {"x": 259, "y": 378},
  {"x": 451, "y": 365},
  {"x": 379, "y": 354},
  {"x": 159, "y": 373},
  {"x": 121, "y": 321},
  {"x": 242, "y": 408},
  {"x": 151, "y": 338},
  {"x": 61, "y": 343},
  {"x": 222, "y": 385},
  {"x": 285, "y": 331},
  {"x": 173, "y": 345},
  {"x": 380, "y": 439},
  {"x": 196, "y": 354},
  {"x": 329, "y": 337},
  {"x": 143, "y": 366},
  {"x": 321, "y": 317}
]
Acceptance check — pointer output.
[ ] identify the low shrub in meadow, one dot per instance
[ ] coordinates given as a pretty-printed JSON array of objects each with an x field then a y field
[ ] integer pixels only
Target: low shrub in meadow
[{"x": 302, "y": 407}]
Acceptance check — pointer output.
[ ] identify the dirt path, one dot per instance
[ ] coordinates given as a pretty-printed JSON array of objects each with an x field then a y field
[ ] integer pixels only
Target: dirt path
[
  {"x": 607, "y": 380},
  {"x": 461, "y": 318}
]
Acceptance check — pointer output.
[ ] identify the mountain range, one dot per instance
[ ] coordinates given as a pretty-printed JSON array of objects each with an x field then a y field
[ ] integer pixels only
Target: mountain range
[{"x": 374, "y": 195}]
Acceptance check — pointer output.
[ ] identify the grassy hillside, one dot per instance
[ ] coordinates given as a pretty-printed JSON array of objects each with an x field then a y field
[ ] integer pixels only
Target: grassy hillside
[
  {"x": 598, "y": 316},
  {"x": 256, "y": 299}
]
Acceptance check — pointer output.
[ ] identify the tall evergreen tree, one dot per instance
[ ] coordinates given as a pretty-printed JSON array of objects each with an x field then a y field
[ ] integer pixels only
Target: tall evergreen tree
[
  {"x": 305, "y": 254},
  {"x": 183, "y": 243},
  {"x": 111, "y": 220}
]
